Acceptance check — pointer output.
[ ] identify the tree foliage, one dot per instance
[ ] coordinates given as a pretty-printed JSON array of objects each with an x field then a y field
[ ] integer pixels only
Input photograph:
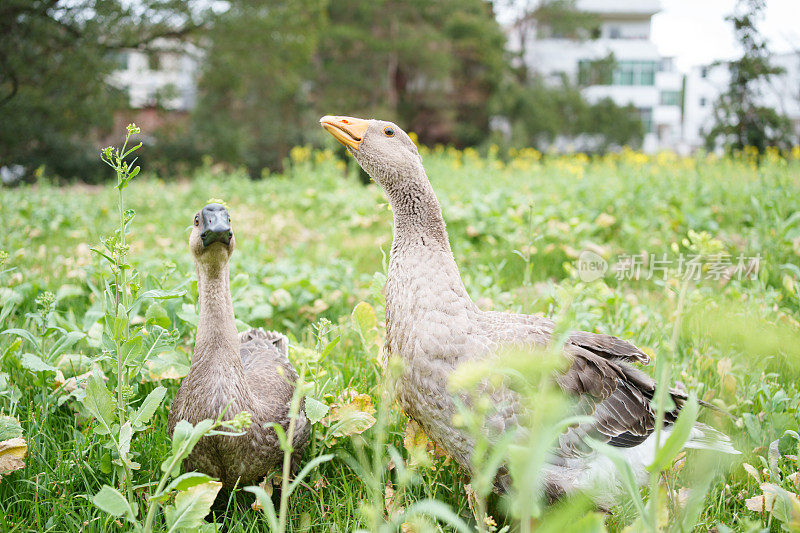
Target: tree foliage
[
  {"x": 271, "y": 68},
  {"x": 740, "y": 118},
  {"x": 54, "y": 59},
  {"x": 542, "y": 114},
  {"x": 254, "y": 94},
  {"x": 274, "y": 67}
]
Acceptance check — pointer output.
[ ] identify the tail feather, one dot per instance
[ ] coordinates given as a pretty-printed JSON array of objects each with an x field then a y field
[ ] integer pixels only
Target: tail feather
[
  {"x": 705, "y": 437},
  {"x": 597, "y": 475}
]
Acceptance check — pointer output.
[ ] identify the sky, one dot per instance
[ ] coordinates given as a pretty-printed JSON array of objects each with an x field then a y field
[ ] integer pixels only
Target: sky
[{"x": 695, "y": 32}]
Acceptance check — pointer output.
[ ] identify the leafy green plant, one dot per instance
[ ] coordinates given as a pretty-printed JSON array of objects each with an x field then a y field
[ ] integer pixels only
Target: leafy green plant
[
  {"x": 314, "y": 238},
  {"x": 193, "y": 493},
  {"x": 277, "y": 521},
  {"x": 126, "y": 348}
]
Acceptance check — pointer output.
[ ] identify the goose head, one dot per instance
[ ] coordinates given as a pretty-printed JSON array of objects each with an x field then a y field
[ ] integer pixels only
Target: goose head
[
  {"x": 384, "y": 150},
  {"x": 211, "y": 240}
]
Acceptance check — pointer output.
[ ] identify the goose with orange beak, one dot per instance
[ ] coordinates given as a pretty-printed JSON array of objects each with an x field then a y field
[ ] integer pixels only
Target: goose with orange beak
[{"x": 434, "y": 327}]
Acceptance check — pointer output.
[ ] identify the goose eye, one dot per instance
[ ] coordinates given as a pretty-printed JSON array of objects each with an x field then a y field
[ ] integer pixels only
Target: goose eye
[
  {"x": 196, "y": 220},
  {"x": 388, "y": 131}
]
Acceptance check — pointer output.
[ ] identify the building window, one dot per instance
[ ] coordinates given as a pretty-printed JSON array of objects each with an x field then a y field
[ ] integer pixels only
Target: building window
[
  {"x": 595, "y": 72},
  {"x": 646, "y": 115},
  {"x": 119, "y": 60},
  {"x": 635, "y": 73},
  {"x": 703, "y": 72},
  {"x": 703, "y": 101},
  {"x": 153, "y": 60},
  {"x": 614, "y": 32},
  {"x": 609, "y": 72},
  {"x": 670, "y": 98}
]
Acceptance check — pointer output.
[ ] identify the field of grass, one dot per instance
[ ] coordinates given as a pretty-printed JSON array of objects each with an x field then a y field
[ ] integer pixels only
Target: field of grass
[{"x": 312, "y": 244}]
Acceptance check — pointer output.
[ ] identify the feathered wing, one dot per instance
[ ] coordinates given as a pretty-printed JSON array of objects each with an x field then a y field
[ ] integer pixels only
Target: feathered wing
[
  {"x": 615, "y": 395},
  {"x": 258, "y": 342},
  {"x": 600, "y": 376},
  {"x": 262, "y": 352}
]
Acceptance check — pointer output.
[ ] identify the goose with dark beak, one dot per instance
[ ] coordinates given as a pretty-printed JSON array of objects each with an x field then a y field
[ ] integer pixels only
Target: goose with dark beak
[
  {"x": 233, "y": 372},
  {"x": 216, "y": 225}
]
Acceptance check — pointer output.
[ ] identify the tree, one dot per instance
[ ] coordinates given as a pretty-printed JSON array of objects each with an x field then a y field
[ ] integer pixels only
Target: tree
[
  {"x": 54, "y": 59},
  {"x": 544, "y": 114},
  {"x": 739, "y": 118},
  {"x": 254, "y": 92},
  {"x": 430, "y": 66}
]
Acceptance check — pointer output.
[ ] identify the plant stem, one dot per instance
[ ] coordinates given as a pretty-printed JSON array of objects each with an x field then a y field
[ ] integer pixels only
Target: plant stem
[
  {"x": 661, "y": 400},
  {"x": 151, "y": 509},
  {"x": 294, "y": 412},
  {"x": 481, "y": 514},
  {"x": 121, "y": 292},
  {"x": 120, "y": 298}
]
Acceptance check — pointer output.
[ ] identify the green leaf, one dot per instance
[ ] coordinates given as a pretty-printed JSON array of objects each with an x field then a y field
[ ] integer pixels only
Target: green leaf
[
  {"x": 184, "y": 439},
  {"x": 157, "y": 340},
  {"x": 182, "y": 482},
  {"x": 677, "y": 437},
  {"x": 191, "y": 507},
  {"x": 188, "y": 480},
  {"x": 119, "y": 324},
  {"x": 25, "y": 334},
  {"x": 131, "y": 351},
  {"x": 129, "y": 151},
  {"x": 34, "y": 363},
  {"x": 13, "y": 347},
  {"x": 315, "y": 410},
  {"x": 352, "y": 422},
  {"x": 788, "y": 443},
  {"x": 9, "y": 428},
  {"x": 162, "y": 294},
  {"x": 145, "y": 411},
  {"x": 106, "y": 465},
  {"x": 65, "y": 342},
  {"x": 753, "y": 426},
  {"x": 266, "y": 505},
  {"x": 188, "y": 314},
  {"x": 181, "y": 434},
  {"x": 329, "y": 348},
  {"x": 125, "y": 435},
  {"x": 366, "y": 323},
  {"x": 156, "y": 314},
  {"x": 99, "y": 402},
  {"x": 279, "y": 431},
  {"x": 114, "y": 503},
  {"x": 311, "y": 465},
  {"x": 103, "y": 254}
]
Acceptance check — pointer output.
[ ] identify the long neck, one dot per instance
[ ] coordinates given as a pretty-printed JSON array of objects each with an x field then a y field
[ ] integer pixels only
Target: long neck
[
  {"x": 421, "y": 251},
  {"x": 417, "y": 213},
  {"x": 217, "y": 342}
]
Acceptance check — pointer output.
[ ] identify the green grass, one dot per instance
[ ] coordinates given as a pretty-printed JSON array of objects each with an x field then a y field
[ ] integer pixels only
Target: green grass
[{"x": 309, "y": 245}]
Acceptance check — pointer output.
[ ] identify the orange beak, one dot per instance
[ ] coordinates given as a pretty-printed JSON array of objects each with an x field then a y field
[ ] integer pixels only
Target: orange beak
[{"x": 347, "y": 130}]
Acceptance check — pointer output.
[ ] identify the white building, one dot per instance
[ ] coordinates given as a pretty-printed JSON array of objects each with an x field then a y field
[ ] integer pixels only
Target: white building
[
  {"x": 704, "y": 84},
  {"x": 642, "y": 77},
  {"x": 165, "y": 74}
]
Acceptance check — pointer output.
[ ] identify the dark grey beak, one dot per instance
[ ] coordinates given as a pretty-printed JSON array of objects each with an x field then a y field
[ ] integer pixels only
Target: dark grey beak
[{"x": 216, "y": 225}]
